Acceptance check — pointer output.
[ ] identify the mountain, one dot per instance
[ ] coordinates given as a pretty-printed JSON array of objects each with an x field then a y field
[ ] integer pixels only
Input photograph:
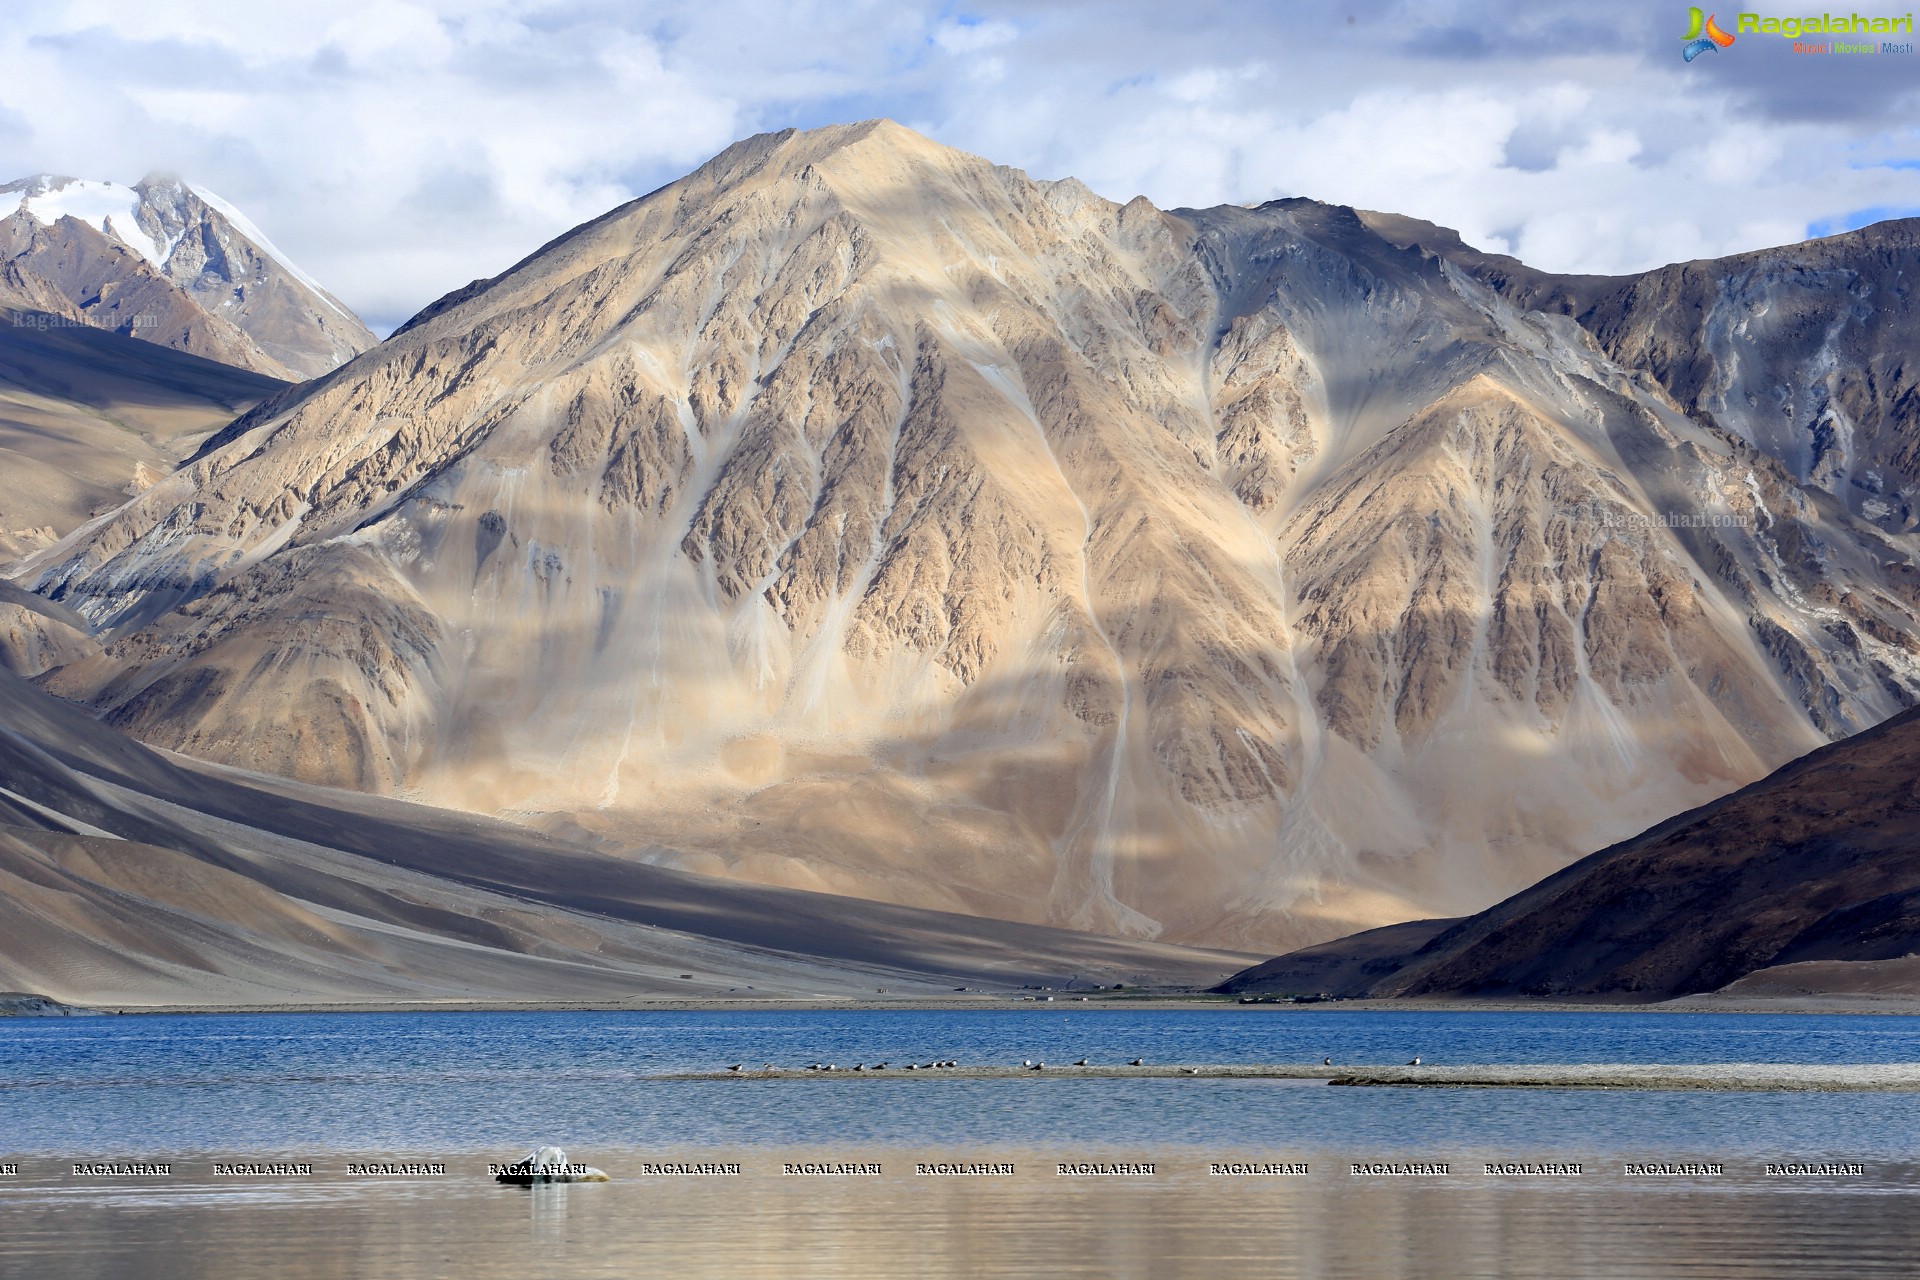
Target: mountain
[
  {"x": 37, "y": 635},
  {"x": 88, "y": 418},
  {"x": 855, "y": 514},
  {"x": 1835, "y": 396},
  {"x": 129, "y": 878},
  {"x": 172, "y": 265},
  {"x": 1785, "y": 886}
]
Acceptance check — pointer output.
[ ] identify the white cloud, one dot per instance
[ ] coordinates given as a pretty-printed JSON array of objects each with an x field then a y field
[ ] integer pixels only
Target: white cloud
[
  {"x": 971, "y": 37},
  {"x": 398, "y": 149}
]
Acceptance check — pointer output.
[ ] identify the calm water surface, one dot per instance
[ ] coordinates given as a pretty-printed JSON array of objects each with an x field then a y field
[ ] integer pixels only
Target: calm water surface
[{"x": 464, "y": 1088}]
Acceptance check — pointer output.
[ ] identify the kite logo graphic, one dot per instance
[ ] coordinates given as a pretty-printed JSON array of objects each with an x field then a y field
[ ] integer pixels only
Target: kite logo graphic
[{"x": 1703, "y": 33}]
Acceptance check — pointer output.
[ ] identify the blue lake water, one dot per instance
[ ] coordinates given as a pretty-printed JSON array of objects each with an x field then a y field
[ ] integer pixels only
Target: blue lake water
[
  {"x": 449, "y": 1082},
  {"x": 465, "y": 1088}
]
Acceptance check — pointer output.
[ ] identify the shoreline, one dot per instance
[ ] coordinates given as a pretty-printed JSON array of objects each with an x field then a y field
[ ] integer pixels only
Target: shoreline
[{"x": 1809, "y": 1005}]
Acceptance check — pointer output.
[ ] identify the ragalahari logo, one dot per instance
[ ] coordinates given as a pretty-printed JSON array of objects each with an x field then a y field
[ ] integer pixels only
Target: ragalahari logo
[{"x": 1703, "y": 33}]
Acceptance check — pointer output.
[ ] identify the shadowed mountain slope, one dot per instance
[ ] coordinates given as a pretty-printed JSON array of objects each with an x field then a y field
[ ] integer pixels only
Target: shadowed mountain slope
[
  {"x": 89, "y": 418},
  {"x": 1819, "y": 862},
  {"x": 130, "y": 878}
]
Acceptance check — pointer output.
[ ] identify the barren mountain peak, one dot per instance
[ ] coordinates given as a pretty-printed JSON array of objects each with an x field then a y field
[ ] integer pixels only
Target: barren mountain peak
[
  {"x": 871, "y": 156},
  {"x": 878, "y": 133}
]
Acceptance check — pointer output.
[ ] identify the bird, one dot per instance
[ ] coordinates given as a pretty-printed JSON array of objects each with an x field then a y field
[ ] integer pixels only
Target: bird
[
  {"x": 1081, "y": 1063},
  {"x": 1192, "y": 1071},
  {"x": 1327, "y": 1061},
  {"x": 859, "y": 1066},
  {"x": 1138, "y": 1062},
  {"x": 768, "y": 1066},
  {"x": 736, "y": 1066},
  {"x": 911, "y": 1067},
  {"x": 1414, "y": 1063},
  {"x": 1026, "y": 1062},
  {"x": 1038, "y": 1066}
]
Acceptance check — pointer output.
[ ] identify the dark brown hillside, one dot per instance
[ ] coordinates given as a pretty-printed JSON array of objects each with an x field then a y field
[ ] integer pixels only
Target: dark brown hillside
[{"x": 1820, "y": 861}]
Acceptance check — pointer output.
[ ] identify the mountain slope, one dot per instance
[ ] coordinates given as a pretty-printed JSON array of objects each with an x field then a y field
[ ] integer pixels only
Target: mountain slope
[
  {"x": 1818, "y": 862},
  {"x": 37, "y": 635},
  {"x": 857, "y": 515},
  {"x": 88, "y": 418},
  {"x": 1834, "y": 398},
  {"x": 172, "y": 265},
  {"x": 126, "y": 878}
]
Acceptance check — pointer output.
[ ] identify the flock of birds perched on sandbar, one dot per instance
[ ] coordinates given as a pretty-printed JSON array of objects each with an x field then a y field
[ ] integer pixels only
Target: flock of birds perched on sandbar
[{"x": 940, "y": 1063}]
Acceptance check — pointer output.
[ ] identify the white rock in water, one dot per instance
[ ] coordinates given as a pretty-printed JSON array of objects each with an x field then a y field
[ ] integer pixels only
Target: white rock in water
[{"x": 547, "y": 1164}]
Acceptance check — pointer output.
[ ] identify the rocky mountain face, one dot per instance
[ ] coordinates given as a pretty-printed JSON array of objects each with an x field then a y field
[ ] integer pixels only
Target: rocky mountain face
[
  {"x": 1803, "y": 876},
  {"x": 856, "y": 514},
  {"x": 168, "y": 264}
]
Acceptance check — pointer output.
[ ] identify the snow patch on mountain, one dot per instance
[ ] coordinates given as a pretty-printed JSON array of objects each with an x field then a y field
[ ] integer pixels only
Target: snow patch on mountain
[{"x": 107, "y": 207}]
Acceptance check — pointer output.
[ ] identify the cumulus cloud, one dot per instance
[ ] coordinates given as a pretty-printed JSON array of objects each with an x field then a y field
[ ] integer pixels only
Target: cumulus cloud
[{"x": 398, "y": 148}]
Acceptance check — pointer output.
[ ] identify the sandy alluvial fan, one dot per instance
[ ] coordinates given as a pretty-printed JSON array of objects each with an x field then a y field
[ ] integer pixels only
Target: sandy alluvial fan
[{"x": 856, "y": 514}]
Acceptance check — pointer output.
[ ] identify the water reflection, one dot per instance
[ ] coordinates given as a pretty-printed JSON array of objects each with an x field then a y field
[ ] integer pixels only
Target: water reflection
[
  {"x": 547, "y": 1211},
  {"x": 1181, "y": 1223}
]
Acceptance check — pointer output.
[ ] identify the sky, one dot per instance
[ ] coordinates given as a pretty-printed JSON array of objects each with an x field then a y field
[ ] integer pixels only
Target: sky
[{"x": 396, "y": 150}]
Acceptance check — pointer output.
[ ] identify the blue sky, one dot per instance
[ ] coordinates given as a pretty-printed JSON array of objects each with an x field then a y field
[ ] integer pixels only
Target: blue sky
[{"x": 398, "y": 150}]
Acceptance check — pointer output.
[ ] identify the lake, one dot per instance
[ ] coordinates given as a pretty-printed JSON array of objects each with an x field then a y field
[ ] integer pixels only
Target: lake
[{"x": 335, "y": 1093}]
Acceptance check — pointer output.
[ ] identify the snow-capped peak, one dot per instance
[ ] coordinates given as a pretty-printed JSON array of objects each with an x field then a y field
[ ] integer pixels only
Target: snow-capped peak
[{"x": 107, "y": 207}]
